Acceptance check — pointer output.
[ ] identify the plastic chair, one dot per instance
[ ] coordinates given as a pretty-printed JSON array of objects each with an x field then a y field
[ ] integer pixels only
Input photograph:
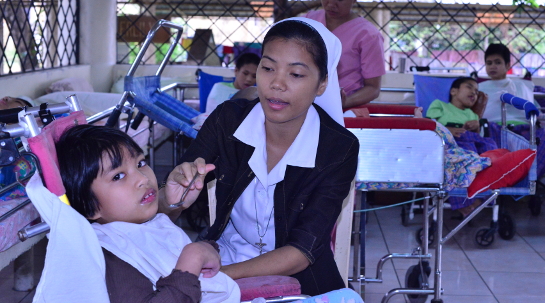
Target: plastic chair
[
  {"x": 288, "y": 287},
  {"x": 206, "y": 82}
]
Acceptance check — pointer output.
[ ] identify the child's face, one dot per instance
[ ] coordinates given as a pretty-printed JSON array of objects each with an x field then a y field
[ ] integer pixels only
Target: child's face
[
  {"x": 9, "y": 102},
  {"x": 496, "y": 68},
  {"x": 128, "y": 193},
  {"x": 245, "y": 76},
  {"x": 466, "y": 95},
  {"x": 287, "y": 81}
]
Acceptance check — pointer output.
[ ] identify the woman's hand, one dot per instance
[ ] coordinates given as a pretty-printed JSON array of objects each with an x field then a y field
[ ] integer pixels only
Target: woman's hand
[
  {"x": 199, "y": 257},
  {"x": 180, "y": 178}
]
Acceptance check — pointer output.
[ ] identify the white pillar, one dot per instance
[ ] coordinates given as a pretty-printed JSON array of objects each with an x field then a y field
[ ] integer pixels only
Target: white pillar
[
  {"x": 97, "y": 40},
  {"x": 380, "y": 17}
]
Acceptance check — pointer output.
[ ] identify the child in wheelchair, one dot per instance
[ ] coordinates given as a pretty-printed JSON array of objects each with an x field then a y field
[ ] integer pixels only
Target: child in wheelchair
[
  {"x": 462, "y": 113},
  {"x": 147, "y": 257}
]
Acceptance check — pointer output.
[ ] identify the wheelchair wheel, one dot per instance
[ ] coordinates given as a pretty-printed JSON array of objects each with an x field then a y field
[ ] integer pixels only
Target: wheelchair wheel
[
  {"x": 484, "y": 236},
  {"x": 431, "y": 234},
  {"x": 535, "y": 205},
  {"x": 417, "y": 278},
  {"x": 506, "y": 227}
]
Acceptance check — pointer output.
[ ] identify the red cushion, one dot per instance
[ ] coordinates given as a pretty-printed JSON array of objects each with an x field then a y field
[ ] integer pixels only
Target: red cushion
[
  {"x": 268, "y": 287},
  {"x": 495, "y": 154},
  {"x": 507, "y": 169}
]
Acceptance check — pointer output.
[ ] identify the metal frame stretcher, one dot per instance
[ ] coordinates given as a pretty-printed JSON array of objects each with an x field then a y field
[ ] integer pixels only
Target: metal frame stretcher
[{"x": 408, "y": 150}]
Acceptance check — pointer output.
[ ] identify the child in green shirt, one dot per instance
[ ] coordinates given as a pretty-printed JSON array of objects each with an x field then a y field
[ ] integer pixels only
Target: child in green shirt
[{"x": 461, "y": 115}]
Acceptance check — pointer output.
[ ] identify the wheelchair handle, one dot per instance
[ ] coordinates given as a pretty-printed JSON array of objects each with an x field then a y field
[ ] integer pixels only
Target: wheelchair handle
[{"x": 137, "y": 120}]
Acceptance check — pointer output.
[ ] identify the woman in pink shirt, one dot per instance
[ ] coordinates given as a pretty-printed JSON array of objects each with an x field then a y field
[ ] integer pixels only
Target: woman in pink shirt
[{"x": 362, "y": 60}]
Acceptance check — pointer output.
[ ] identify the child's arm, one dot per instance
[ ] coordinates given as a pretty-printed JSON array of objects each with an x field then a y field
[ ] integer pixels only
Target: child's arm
[
  {"x": 127, "y": 285},
  {"x": 480, "y": 104},
  {"x": 199, "y": 257}
]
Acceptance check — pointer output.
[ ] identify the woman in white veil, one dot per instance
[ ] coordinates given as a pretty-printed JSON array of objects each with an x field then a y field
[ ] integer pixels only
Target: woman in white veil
[{"x": 283, "y": 162}]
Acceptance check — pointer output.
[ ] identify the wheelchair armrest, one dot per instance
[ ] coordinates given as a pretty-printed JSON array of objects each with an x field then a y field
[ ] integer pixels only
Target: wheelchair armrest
[
  {"x": 390, "y": 123},
  {"x": 390, "y": 109}
]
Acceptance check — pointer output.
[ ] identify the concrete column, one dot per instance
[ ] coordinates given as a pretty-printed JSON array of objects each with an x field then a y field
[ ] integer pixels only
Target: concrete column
[
  {"x": 97, "y": 40},
  {"x": 381, "y": 17}
]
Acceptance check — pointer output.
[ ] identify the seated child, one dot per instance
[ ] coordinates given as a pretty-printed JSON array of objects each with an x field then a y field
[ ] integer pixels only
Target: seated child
[
  {"x": 245, "y": 74},
  {"x": 458, "y": 115},
  {"x": 147, "y": 257},
  {"x": 497, "y": 61}
]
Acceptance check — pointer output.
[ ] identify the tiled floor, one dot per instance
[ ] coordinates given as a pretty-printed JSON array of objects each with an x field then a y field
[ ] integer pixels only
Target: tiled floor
[{"x": 508, "y": 271}]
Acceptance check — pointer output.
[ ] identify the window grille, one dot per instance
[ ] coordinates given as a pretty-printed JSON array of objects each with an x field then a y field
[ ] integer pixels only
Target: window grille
[
  {"x": 434, "y": 34},
  {"x": 37, "y": 35}
]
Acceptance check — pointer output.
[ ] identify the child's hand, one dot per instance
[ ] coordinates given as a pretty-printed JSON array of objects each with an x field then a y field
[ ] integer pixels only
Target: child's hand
[
  {"x": 472, "y": 126},
  {"x": 199, "y": 257},
  {"x": 418, "y": 112},
  {"x": 480, "y": 104},
  {"x": 456, "y": 131},
  {"x": 180, "y": 178}
]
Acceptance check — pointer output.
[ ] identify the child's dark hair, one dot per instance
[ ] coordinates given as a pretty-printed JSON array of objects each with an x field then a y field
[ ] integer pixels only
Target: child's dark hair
[
  {"x": 305, "y": 34},
  {"x": 498, "y": 49},
  {"x": 456, "y": 84},
  {"x": 80, "y": 150},
  {"x": 247, "y": 58},
  {"x": 25, "y": 102}
]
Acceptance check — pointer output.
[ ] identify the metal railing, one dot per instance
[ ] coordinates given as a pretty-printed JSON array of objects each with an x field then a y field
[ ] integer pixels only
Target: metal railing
[
  {"x": 37, "y": 35},
  {"x": 426, "y": 33}
]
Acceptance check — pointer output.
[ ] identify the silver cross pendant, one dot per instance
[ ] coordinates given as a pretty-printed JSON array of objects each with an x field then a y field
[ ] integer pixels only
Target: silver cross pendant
[{"x": 260, "y": 245}]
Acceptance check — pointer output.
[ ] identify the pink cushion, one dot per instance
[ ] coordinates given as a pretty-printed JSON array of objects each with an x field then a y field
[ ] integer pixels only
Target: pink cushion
[
  {"x": 507, "y": 169},
  {"x": 268, "y": 287},
  {"x": 43, "y": 145}
]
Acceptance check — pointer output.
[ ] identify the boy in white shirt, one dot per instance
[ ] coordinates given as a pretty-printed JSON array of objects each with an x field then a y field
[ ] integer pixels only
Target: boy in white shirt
[{"x": 498, "y": 61}]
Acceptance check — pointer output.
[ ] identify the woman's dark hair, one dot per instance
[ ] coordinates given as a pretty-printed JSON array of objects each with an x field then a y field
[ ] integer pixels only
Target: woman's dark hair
[
  {"x": 456, "y": 84},
  {"x": 498, "y": 49},
  {"x": 247, "y": 58},
  {"x": 79, "y": 151},
  {"x": 305, "y": 34}
]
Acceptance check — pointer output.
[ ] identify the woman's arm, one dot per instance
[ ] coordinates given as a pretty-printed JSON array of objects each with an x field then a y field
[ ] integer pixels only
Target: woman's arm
[
  {"x": 369, "y": 92},
  {"x": 284, "y": 261}
]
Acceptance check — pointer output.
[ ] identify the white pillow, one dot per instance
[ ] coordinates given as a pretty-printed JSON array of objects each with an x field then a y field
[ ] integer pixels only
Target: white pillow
[{"x": 70, "y": 84}]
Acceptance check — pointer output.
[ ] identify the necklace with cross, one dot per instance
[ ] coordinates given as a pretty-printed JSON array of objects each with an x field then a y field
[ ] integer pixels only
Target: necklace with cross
[{"x": 260, "y": 244}]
